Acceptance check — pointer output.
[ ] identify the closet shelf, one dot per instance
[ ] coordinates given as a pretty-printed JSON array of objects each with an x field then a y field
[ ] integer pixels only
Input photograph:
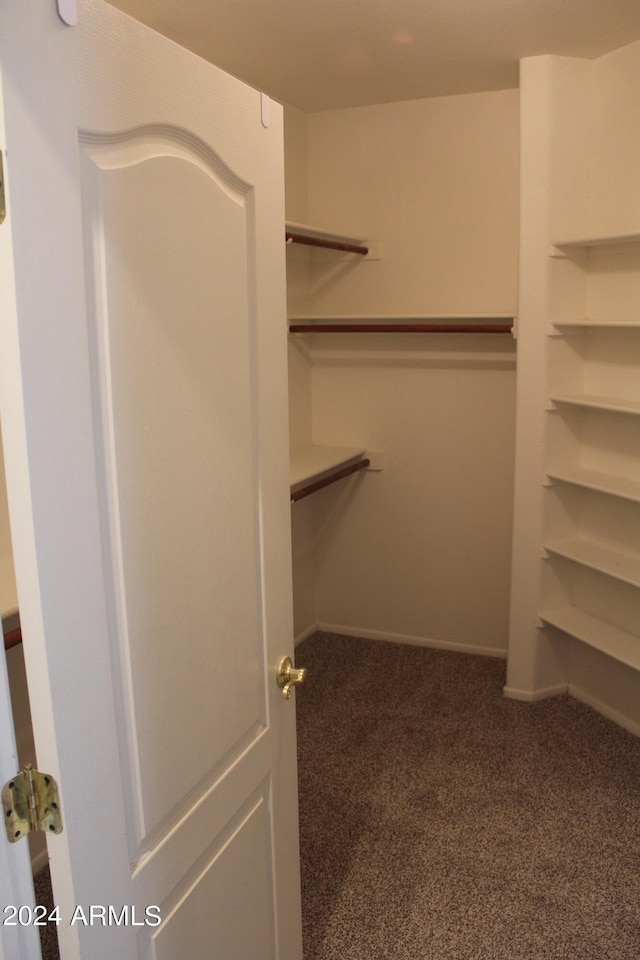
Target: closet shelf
[
  {"x": 313, "y": 467},
  {"x": 588, "y": 324},
  {"x": 399, "y": 323},
  {"x": 607, "y": 240},
  {"x": 598, "y": 480},
  {"x": 314, "y": 237},
  {"x": 596, "y": 633},
  {"x": 595, "y": 401},
  {"x": 590, "y": 553}
]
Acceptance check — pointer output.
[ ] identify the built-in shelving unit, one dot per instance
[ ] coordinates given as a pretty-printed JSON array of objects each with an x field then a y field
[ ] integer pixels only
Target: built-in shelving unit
[{"x": 591, "y": 591}]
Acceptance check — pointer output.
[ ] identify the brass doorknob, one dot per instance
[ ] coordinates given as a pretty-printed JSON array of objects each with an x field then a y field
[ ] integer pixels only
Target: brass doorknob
[{"x": 289, "y": 676}]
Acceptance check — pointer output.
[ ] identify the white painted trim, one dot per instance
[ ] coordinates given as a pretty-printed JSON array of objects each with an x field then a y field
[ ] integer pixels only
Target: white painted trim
[
  {"x": 532, "y": 696},
  {"x": 603, "y": 708},
  {"x": 412, "y": 640}
]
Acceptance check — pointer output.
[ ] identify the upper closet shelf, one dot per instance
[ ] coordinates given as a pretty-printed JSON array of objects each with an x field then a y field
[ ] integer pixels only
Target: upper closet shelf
[
  {"x": 598, "y": 402},
  {"x": 588, "y": 324},
  {"x": 398, "y": 323},
  {"x": 314, "y": 237},
  {"x": 313, "y": 467},
  {"x": 588, "y": 243}
]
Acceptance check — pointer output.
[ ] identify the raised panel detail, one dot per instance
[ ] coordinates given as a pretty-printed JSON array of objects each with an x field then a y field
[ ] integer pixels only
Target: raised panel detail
[
  {"x": 174, "y": 344},
  {"x": 208, "y": 919}
]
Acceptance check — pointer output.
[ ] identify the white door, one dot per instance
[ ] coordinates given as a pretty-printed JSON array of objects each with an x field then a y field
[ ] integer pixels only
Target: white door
[{"x": 143, "y": 398}]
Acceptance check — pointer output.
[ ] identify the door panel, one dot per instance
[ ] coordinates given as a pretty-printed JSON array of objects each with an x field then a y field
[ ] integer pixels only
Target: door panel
[
  {"x": 175, "y": 355},
  {"x": 147, "y": 446},
  {"x": 209, "y": 911}
]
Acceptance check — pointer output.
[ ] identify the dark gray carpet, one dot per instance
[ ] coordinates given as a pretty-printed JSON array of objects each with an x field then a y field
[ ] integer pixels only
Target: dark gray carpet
[
  {"x": 48, "y": 933},
  {"x": 439, "y": 820}
]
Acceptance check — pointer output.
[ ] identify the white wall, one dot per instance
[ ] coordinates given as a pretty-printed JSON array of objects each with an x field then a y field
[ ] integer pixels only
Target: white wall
[
  {"x": 420, "y": 551},
  {"x": 615, "y": 141},
  {"x": 436, "y": 181}
]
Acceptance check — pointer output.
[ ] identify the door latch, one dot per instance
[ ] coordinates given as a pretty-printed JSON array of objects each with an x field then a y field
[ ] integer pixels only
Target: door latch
[
  {"x": 289, "y": 676},
  {"x": 30, "y": 803}
]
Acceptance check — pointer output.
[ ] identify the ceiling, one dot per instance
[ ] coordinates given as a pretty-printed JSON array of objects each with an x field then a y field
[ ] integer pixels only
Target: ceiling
[{"x": 327, "y": 54}]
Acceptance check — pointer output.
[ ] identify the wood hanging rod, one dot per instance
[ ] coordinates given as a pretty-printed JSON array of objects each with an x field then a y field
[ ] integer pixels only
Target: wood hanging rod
[
  {"x": 342, "y": 245},
  {"x": 332, "y": 478},
  {"x": 12, "y": 638},
  {"x": 399, "y": 328}
]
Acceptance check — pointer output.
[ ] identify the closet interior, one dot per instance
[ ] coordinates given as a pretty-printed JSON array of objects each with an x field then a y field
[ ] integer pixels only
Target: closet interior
[
  {"x": 402, "y": 352},
  {"x": 443, "y": 494},
  {"x": 464, "y": 217}
]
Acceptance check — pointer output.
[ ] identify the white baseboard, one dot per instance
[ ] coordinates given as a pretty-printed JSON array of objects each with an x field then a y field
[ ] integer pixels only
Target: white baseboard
[
  {"x": 512, "y": 693},
  {"x": 532, "y": 696},
  {"x": 609, "y": 712},
  {"x": 307, "y": 632},
  {"x": 412, "y": 640}
]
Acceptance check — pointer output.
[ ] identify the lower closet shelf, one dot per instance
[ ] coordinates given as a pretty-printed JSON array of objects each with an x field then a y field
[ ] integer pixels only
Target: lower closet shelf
[
  {"x": 313, "y": 467},
  {"x": 589, "y": 553},
  {"x": 598, "y": 480},
  {"x": 596, "y": 633}
]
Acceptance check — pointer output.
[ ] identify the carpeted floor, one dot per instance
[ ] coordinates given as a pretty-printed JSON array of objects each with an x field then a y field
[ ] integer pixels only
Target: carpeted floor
[
  {"x": 440, "y": 821},
  {"x": 48, "y": 933}
]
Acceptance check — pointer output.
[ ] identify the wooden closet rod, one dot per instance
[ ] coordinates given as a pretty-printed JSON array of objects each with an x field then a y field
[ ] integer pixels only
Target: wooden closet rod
[
  {"x": 399, "y": 328},
  {"x": 12, "y": 638},
  {"x": 342, "y": 245},
  {"x": 332, "y": 478}
]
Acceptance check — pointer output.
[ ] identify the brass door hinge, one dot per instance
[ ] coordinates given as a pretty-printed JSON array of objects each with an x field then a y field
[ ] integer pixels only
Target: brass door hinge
[{"x": 30, "y": 803}]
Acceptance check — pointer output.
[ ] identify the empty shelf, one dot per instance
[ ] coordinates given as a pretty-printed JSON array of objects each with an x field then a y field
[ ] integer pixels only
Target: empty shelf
[
  {"x": 590, "y": 553},
  {"x": 598, "y": 480},
  {"x": 314, "y": 237},
  {"x": 600, "y": 325},
  {"x": 598, "y": 402},
  {"x": 596, "y": 633},
  {"x": 313, "y": 467},
  {"x": 609, "y": 240}
]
